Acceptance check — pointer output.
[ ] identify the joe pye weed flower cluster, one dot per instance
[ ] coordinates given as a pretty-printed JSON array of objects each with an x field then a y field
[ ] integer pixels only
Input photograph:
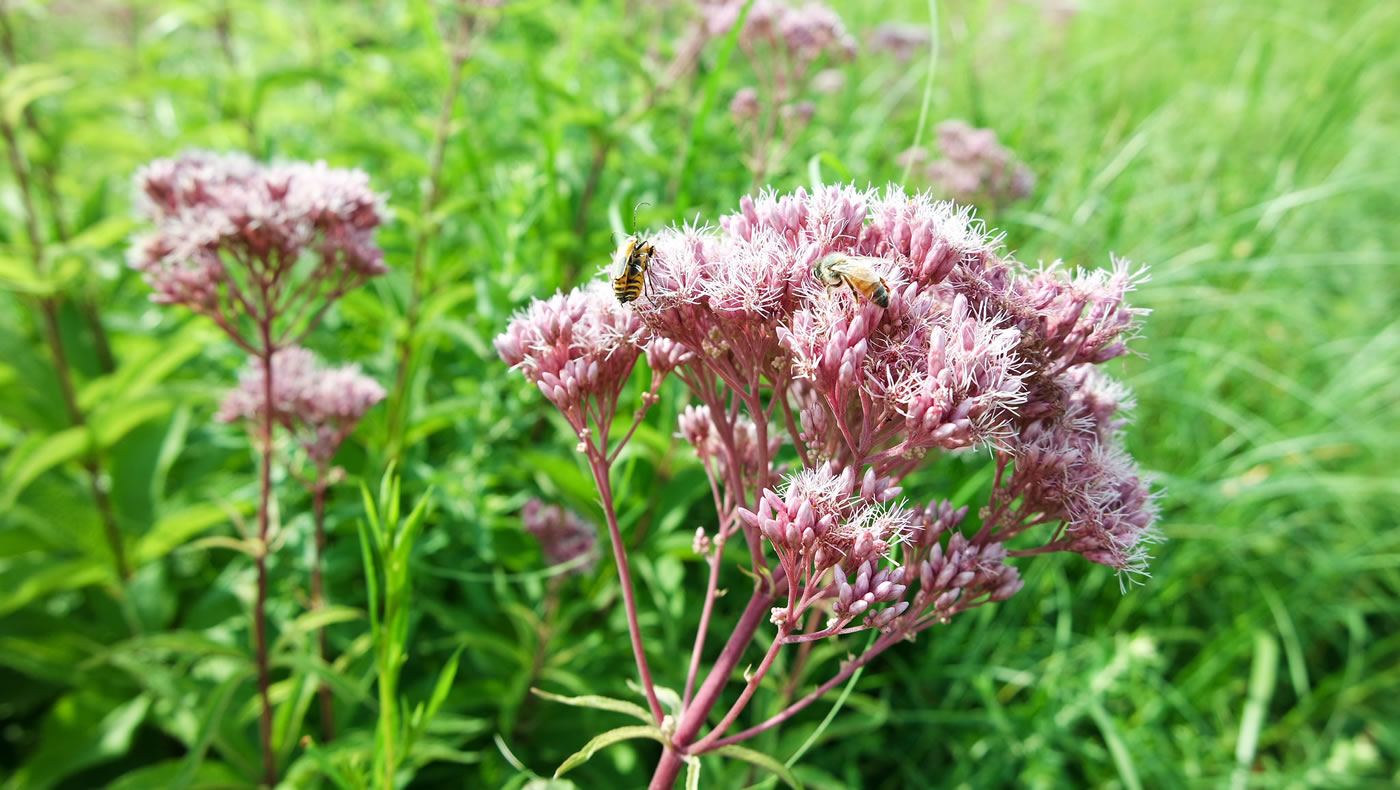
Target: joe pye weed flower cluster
[
  {"x": 264, "y": 251},
  {"x": 812, "y": 408}
]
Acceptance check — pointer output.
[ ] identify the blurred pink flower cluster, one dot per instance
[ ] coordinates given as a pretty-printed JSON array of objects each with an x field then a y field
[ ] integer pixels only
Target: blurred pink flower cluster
[
  {"x": 319, "y": 405},
  {"x": 782, "y": 42},
  {"x": 231, "y": 234},
  {"x": 564, "y": 537},
  {"x": 974, "y": 167}
]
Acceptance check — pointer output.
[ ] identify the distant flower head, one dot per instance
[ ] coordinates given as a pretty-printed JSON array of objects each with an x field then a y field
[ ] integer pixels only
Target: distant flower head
[
  {"x": 563, "y": 535},
  {"x": 829, "y": 81},
  {"x": 803, "y": 32},
  {"x": 576, "y": 347},
  {"x": 744, "y": 105},
  {"x": 228, "y": 225},
  {"x": 901, "y": 40},
  {"x": 976, "y": 167},
  {"x": 321, "y": 405}
]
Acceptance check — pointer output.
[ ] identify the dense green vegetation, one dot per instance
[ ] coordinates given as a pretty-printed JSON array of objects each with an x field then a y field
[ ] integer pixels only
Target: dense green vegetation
[{"x": 1244, "y": 150}]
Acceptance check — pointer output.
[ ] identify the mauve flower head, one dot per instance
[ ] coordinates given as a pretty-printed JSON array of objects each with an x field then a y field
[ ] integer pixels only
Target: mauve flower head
[
  {"x": 972, "y": 350},
  {"x": 976, "y": 167},
  {"x": 575, "y": 346},
  {"x": 697, "y": 427},
  {"x": 1072, "y": 467},
  {"x": 563, "y": 535},
  {"x": 223, "y": 220},
  {"x": 744, "y": 105},
  {"x": 802, "y": 33},
  {"x": 321, "y": 405},
  {"x": 902, "y": 40}
]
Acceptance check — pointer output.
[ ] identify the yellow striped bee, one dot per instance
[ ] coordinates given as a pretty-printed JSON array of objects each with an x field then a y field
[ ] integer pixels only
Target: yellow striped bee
[
  {"x": 856, "y": 272},
  {"x": 629, "y": 268}
]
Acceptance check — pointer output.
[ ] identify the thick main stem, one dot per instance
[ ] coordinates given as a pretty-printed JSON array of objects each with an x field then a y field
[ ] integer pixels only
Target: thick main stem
[
  {"x": 260, "y": 604},
  {"x": 600, "y": 476},
  {"x": 318, "y": 601},
  {"x": 693, "y": 717}
]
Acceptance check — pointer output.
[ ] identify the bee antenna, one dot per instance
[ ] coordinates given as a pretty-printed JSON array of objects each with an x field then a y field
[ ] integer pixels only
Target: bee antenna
[{"x": 634, "y": 215}]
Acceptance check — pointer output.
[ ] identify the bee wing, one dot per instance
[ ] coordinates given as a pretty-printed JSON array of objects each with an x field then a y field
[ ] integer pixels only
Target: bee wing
[
  {"x": 621, "y": 257},
  {"x": 859, "y": 267}
]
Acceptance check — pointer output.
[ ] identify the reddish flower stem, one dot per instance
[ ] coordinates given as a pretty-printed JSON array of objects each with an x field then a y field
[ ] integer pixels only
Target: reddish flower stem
[
  {"x": 694, "y": 715},
  {"x": 600, "y": 468},
  {"x": 264, "y": 516},
  {"x": 794, "y": 708},
  {"x": 716, "y": 558},
  {"x": 750, "y": 688}
]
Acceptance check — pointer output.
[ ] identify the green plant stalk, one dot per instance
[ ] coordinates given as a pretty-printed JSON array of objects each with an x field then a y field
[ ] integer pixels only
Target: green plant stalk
[
  {"x": 102, "y": 345},
  {"x": 48, "y": 311},
  {"x": 318, "y": 599},
  {"x": 398, "y": 408}
]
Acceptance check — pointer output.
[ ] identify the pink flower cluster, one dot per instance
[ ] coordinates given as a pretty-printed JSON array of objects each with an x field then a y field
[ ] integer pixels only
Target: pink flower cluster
[
  {"x": 973, "y": 350},
  {"x": 579, "y": 348},
  {"x": 320, "y": 405},
  {"x": 803, "y": 32},
  {"x": 563, "y": 535},
  {"x": 230, "y": 231},
  {"x": 974, "y": 166},
  {"x": 900, "y": 39}
]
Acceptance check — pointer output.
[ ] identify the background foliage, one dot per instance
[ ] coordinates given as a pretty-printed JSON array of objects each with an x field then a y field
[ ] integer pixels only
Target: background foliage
[{"x": 1244, "y": 149}]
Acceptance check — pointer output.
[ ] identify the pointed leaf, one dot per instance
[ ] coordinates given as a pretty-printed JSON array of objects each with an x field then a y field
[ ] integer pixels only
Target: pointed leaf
[
  {"x": 762, "y": 761},
  {"x": 608, "y": 739},
  {"x": 601, "y": 703}
]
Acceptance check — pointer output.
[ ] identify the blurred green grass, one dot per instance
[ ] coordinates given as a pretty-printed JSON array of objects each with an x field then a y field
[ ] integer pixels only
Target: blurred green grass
[{"x": 1244, "y": 150}]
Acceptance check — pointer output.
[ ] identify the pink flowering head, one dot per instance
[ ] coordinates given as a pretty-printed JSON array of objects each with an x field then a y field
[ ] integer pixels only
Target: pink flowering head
[
  {"x": 742, "y": 452},
  {"x": 320, "y": 405},
  {"x": 564, "y": 537},
  {"x": 579, "y": 348},
  {"x": 803, "y": 32},
  {"x": 1072, "y": 467},
  {"x": 901, "y": 40},
  {"x": 975, "y": 167},
  {"x": 744, "y": 106},
  {"x": 228, "y": 229}
]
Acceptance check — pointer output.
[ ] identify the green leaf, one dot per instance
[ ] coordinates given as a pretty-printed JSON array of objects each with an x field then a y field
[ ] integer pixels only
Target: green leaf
[
  {"x": 37, "y": 456},
  {"x": 692, "y": 773},
  {"x": 174, "y": 530},
  {"x": 167, "y": 775},
  {"x": 605, "y": 740},
  {"x": 80, "y": 730},
  {"x": 194, "y": 766},
  {"x": 600, "y": 703},
  {"x": 26, "y": 84},
  {"x": 29, "y": 581},
  {"x": 101, "y": 235},
  {"x": 314, "y": 620},
  {"x": 762, "y": 761}
]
